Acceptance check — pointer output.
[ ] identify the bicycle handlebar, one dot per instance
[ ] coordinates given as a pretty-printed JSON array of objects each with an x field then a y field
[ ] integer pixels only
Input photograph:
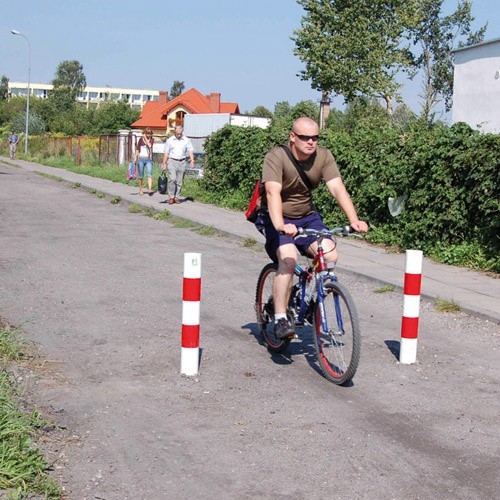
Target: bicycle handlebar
[{"x": 341, "y": 231}]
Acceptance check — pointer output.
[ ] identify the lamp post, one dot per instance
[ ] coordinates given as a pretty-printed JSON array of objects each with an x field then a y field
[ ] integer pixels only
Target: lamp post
[{"x": 15, "y": 32}]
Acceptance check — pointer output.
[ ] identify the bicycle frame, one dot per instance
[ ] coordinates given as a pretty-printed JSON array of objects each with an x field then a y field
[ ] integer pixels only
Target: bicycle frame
[{"x": 311, "y": 286}]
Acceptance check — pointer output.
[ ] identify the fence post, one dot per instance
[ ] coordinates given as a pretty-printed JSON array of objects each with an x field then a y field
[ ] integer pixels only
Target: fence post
[
  {"x": 79, "y": 153},
  {"x": 411, "y": 306},
  {"x": 122, "y": 135},
  {"x": 191, "y": 297}
]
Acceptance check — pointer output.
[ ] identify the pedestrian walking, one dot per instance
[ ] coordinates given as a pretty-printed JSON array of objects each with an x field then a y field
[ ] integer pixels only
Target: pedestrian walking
[
  {"x": 177, "y": 148},
  {"x": 13, "y": 141},
  {"x": 144, "y": 159}
]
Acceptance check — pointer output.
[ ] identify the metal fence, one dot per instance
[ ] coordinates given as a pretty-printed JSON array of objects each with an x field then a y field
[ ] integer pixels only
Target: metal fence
[
  {"x": 111, "y": 148},
  {"x": 118, "y": 149}
]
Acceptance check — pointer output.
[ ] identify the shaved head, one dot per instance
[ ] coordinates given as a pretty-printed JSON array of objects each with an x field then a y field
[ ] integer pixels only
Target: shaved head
[{"x": 304, "y": 121}]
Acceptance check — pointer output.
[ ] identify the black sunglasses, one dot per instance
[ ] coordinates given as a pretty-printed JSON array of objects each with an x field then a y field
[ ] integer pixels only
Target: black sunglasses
[{"x": 306, "y": 138}]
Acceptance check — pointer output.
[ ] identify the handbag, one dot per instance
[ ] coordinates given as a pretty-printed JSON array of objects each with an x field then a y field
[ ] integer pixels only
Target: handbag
[
  {"x": 162, "y": 183},
  {"x": 132, "y": 171},
  {"x": 253, "y": 207}
]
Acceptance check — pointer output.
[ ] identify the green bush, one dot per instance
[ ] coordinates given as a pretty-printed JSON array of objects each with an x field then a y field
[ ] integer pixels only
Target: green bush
[
  {"x": 449, "y": 174},
  {"x": 233, "y": 164}
]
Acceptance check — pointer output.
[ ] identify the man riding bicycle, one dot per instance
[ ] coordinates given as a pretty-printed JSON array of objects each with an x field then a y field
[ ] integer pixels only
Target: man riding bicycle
[{"x": 288, "y": 201}]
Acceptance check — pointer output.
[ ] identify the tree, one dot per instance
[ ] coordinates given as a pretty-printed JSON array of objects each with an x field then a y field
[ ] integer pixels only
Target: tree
[
  {"x": 74, "y": 121},
  {"x": 68, "y": 82},
  {"x": 113, "y": 116},
  {"x": 4, "y": 88},
  {"x": 284, "y": 115},
  {"x": 177, "y": 89},
  {"x": 353, "y": 48},
  {"x": 435, "y": 36},
  {"x": 36, "y": 124},
  {"x": 261, "y": 111},
  {"x": 14, "y": 106}
]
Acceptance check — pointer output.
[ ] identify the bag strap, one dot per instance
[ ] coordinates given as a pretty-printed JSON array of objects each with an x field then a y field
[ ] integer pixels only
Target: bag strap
[{"x": 296, "y": 164}]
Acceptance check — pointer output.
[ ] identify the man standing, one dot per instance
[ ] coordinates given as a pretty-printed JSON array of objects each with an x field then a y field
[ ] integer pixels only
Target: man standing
[
  {"x": 177, "y": 148},
  {"x": 289, "y": 206},
  {"x": 13, "y": 140}
]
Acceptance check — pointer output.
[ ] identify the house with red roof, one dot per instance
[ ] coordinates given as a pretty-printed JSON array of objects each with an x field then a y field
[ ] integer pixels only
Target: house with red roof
[{"x": 163, "y": 115}]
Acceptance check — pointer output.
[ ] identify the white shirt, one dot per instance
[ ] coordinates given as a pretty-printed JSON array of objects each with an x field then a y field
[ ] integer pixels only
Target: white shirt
[{"x": 178, "y": 148}]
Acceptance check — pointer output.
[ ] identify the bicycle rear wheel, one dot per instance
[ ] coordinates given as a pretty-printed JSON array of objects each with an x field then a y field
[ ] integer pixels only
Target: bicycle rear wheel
[
  {"x": 338, "y": 347},
  {"x": 264, "y": 307}
]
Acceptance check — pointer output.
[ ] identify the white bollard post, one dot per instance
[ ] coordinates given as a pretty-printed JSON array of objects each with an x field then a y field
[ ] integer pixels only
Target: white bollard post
[
  {"x": 411, "y": 307},
  {"x": 191, "y": 296}
]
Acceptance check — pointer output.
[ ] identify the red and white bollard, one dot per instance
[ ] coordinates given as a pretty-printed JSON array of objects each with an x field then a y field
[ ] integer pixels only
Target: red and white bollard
[
  {"x": 191, "y": 295},
  {"x": 411, "y": 307}
]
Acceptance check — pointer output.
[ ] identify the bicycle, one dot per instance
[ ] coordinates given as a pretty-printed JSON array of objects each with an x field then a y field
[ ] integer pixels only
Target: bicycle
[{"x": 318, "y": 299}]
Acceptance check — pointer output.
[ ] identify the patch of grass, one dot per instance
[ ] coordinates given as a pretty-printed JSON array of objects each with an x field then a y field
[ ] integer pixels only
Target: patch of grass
[
  {"x": 149, "y": 212},
  {"x": 135, "y": 208},
  {"x": 443, "y": 305},
  {"x": 249, "y": 242},
  {"x": 50, "y": 176},
  {"x": 77, "y": 185},
  {"x": 101, "y": 195},
  {"x": 93, "y": 191},
  {"x": 10, "y": 345},
  {"x": 385, "y": 289},
  {"x": 165, "y": 215},
  {"x": 23, "y": 468},
  {"x": 182, "y": 223},
  {"x": 115, "y": 200},
  {"x": 207, "y": 231}
]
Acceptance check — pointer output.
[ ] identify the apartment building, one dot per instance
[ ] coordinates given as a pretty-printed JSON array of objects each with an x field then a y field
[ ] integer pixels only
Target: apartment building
[{"x": 90, "y": 96}]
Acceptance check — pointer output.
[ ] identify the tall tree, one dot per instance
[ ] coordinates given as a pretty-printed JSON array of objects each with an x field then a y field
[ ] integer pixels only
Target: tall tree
[
  {"x": 177, "y": 89},
  {"x": 435, "y": 36},
  {"x": 353, "y": 48},
  {"x": 4, "y": 88},
  {"x": 68, "y": 82}
]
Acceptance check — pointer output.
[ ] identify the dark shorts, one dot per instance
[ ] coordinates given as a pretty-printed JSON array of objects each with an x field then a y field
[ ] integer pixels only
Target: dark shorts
[{"x": 274, "y": 239}]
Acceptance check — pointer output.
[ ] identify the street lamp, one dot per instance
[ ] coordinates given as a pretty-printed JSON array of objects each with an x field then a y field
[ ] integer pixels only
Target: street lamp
[{"x": 15, "y": 32}]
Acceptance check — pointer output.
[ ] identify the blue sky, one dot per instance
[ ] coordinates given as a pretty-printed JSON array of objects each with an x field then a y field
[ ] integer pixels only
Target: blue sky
[{"x": 238, "y": 48}]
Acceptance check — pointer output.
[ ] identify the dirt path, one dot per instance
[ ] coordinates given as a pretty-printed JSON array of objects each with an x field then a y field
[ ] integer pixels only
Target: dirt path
[{"x": 98, "y": 290}]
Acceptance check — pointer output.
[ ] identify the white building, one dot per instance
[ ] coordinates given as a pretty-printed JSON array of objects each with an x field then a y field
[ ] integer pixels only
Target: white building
[
  {"x": 476, "y": 86},
  {"x": 90, "y": 96},
  {"x": 199, "y": 126}
]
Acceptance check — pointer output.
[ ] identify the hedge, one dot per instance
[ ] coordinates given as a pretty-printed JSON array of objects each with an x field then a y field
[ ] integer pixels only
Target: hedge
[{"x": 449, "y": 175}]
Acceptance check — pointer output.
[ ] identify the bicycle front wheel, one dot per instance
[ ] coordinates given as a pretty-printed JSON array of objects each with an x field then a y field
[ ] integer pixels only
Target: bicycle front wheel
[
  {"x": 337, "y": 336},
  {"x": 264, "y": 307}
]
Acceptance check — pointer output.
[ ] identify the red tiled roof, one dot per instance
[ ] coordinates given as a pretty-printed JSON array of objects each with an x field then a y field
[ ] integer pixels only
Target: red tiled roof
[
  {"x": 230, "y": 107},
  {"x": 154, "y": 114}
]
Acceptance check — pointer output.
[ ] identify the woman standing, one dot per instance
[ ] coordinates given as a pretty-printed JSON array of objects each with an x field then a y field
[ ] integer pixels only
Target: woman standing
[{"x": 144, "y": 153}]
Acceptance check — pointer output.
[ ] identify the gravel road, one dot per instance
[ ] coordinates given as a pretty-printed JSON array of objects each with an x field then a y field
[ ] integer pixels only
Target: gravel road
[{"x": 97, "y": 289}]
